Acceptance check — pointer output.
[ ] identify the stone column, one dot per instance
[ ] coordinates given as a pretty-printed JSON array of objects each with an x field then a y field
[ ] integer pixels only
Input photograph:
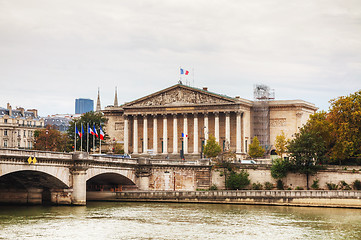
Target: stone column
[
  {"x": 195, "y": 134},
  {"x": 185, "y": 131},
  {"x": 206, "y": 130},
  {"x": 238, "y": 133},
  {"x": 155, "y": 134},
  {"x": 79, "y": 187},
  {"x": 135, "y": 134},
  {"x": 228, "y": 128},
  {"x": 126, "y": 137},
  {"x": 165, "y": 135},
  {"x": 175, "y": 134},
  {"x": 216, "y": 126},
  {"x": 145, "y": 134}
]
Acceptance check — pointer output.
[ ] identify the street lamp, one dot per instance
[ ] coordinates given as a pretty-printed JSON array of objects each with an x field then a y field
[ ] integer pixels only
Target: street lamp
[{"x": 202, "y": 139}]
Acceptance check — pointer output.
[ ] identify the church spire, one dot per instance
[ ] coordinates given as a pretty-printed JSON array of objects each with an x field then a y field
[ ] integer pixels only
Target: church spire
[
  {"x": 116, "y": 98},
  {"x": 98, "y": 103}
]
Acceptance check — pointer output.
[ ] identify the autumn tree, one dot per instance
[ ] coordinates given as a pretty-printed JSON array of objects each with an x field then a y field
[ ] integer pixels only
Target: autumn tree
[
  {"x": 212, "y": 148},
  {"x": 50, "y": 139},
  {"x": 281, "y": 144},
  {"x": 255, "y": 150},
  {"x": 345, "y": 118}
]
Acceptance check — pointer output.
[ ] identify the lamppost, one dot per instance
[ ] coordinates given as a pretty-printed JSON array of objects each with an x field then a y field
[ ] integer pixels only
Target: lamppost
[
  {"x": 46, "y": 140},
  {"x": 202, "y": 140}
]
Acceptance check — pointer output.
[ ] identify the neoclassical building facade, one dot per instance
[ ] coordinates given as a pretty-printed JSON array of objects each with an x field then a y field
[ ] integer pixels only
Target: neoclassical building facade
[{"x": 182, "y": 118}]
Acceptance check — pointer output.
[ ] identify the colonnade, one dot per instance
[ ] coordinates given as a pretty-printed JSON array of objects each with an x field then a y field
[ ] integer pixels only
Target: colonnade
[{"x": 132, "y": 134}]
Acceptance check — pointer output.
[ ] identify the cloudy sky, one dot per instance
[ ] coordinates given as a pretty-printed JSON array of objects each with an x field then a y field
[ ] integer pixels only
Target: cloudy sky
[{"x": 52, "y": 52}]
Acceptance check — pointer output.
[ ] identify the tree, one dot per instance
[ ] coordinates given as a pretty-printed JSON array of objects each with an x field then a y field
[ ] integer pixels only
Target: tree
[
  {"x": 307, "y": 150},
  {"x": 90, "y": 119},
  {"x": 345, "y": 118},
  {"x": 280, "y": 144},
  {"x": 255, "y": 150},
  {"x": 212, "y": 148},
  {"x": 238, "y": 180},
  {"x": 50, "y": 140},
  {"x": 280, "y": 168}
]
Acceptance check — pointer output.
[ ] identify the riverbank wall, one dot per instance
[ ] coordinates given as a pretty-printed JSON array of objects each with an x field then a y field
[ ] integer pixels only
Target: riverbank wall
[{"x": 305, "y": 198}]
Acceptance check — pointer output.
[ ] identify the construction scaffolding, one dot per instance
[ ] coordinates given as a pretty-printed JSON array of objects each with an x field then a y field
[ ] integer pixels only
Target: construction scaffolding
[{"x": 261, "y": 114}]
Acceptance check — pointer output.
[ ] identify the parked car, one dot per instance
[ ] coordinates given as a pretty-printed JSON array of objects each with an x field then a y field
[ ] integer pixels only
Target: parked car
[{"x": 248, "y": 162}]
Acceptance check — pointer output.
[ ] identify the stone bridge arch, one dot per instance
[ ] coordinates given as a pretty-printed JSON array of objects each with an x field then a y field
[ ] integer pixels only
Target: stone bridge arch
[
  {"x": 110, "y": 179},
  {"x": 58, "y": 172}
]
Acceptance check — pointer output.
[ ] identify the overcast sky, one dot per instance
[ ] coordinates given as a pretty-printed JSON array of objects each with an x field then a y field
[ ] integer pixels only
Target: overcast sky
[{"x": 52, "y": 52}]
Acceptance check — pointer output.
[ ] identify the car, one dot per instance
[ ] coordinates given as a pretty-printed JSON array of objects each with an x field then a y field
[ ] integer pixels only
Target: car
[{"x": 248, "y": 162}]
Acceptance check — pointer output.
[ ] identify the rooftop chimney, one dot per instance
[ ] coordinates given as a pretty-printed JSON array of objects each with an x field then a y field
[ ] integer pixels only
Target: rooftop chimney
[
  {"x": 10, "y": 109},
  {"x": 205, "y": 88}
]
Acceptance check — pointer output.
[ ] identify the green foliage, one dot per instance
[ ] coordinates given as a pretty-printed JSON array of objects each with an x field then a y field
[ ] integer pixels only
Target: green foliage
[
  {"x": 280, "y": 185},
  {"x": 268, "y": 186},
  {"x": 257, "y": 186},
  {"x": 87, "y": 119},
  {"x": 315, "y": 184},
  {"x": 280, "y": 168},
  {"x": 213, "y": 187},
  {"x": 255, "y": 150},
  {"x": 237, "y": 180},
  {"x": 212, "y": 148},
  {"x": 344, "y": 186},
  {"x": 299, "y": 188},
  {"x": 356, "y": 185},
  {"x": 281, "y": 144},
  {"x": 332, "y": 186},
  {"x": 51, "y": 140}
]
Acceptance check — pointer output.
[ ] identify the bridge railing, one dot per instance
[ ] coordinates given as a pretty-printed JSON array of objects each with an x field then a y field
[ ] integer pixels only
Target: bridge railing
[{"x": 34, "y": 153}]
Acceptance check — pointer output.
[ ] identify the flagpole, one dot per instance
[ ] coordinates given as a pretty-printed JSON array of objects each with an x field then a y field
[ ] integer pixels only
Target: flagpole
[
  {"x": 87, "y": 137},
  {"x": 100, "y": 140},
  {"x": 75, "y": 136},
  {"x": 93, "y": 141},
  {"x": 81, "y": 138}
]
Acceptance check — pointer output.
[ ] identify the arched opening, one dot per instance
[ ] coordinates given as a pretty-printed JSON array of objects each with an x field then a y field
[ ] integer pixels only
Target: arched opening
[
  {"x": 273, "y": 152},
  {"x": 112, "y": 182},
  {"x": 29, "y": 187}
]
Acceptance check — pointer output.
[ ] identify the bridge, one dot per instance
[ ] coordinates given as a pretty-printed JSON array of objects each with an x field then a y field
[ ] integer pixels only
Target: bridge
[{"x": 36, "y": 177}]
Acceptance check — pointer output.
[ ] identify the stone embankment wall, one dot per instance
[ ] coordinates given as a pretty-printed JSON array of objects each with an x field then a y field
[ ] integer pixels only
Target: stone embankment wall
[
  {"x": 316, "y": 198},
  {"x": 262, "y": 174}
]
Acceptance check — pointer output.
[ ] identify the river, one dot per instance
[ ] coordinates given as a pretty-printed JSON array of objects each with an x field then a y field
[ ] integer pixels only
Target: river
[{"x": 115, "y": 220}]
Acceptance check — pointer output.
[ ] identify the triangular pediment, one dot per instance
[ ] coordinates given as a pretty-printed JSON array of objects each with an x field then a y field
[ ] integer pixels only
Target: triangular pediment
[{"x": 180, "y": 95}]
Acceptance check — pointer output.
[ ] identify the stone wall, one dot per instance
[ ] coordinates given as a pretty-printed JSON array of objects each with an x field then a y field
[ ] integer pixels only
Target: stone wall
[{"x": 262, "y": 174}]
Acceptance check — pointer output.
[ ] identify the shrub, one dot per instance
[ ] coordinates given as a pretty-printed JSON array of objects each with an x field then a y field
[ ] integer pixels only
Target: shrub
[
  {"x": 332, "y": 186},
  {"x": 280, "y": 185},
  {"x": 315, "y": 184},
  {"x": 213, "y": 187},
  {"x": 344, "y": 186},
  {"x": 268, "y": 185},
  {"x": 299, "y": 188},
  {"x": 257, "y": 186},
  {"x": 356, "y": 185},
  {"x": 238, "y": 180}
]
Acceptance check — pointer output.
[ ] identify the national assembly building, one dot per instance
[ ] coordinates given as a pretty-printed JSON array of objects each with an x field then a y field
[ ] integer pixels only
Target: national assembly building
[{"x": 182, "y": 117}]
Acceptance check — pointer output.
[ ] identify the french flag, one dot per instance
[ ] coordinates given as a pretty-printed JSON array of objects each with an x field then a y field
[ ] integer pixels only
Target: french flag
[
  {"x": 95, "y": 131},
  {"x": 184, "y": 135},
  {"x": 101, "y": 133},
  {"x": 77, "y": 131},
  {"x": 90, "y": 130},
  {"x": 183, "y": 71}
]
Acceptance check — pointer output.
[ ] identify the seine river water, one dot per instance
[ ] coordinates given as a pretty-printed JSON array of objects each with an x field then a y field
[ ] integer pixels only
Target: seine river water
[{"x": 99, "y": 220}]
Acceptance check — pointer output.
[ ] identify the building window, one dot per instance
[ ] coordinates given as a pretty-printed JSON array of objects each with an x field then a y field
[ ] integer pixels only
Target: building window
[
  {"x": 5, "y": 132},
  {"x": 19, "y": 133},
  {"x": 5, "y": 143},
  {"x": 19, "y": 144},
  {"x": 5, "y": 121},
  {"x": 24, "y": 133}
]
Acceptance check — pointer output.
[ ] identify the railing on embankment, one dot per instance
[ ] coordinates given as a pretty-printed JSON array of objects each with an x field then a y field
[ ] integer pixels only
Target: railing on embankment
[{"x": 317, "y": 198}]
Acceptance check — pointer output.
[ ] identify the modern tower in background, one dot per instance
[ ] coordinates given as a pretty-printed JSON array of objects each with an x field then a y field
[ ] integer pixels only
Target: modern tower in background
[{"x": 83, "y": 105}]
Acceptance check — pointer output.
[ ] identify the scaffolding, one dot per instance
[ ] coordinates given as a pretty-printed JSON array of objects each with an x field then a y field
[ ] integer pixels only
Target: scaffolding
[{"x": 261, "y": 114}]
